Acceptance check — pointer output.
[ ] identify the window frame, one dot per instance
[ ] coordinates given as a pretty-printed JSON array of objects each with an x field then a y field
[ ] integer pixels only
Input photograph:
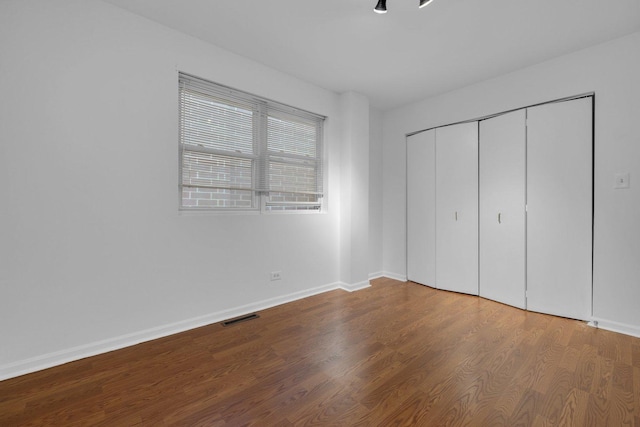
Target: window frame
[{"x": 261, "y": 157}]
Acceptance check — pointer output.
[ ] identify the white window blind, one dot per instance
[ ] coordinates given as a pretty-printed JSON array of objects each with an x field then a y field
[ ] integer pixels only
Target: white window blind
[{"x": 239, "y": 151}]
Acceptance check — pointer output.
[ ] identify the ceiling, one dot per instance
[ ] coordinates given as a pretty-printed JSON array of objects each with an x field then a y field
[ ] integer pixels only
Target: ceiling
[{"x": 404, "y": 55}]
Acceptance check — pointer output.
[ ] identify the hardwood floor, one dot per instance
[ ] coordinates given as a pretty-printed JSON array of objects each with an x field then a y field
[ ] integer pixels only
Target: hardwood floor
[{"x": 394, "y": 354}]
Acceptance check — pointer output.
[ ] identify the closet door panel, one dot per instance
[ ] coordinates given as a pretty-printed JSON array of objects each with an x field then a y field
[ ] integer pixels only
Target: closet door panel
[
  {"x": 421, "y": 221},
  {"x": 502, "y": 208},
  {"x": 559, "y": 216},
  {"x": 457, "y": 208}
]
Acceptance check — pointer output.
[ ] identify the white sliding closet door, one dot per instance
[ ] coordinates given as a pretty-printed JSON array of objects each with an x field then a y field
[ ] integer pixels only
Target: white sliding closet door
[
  {"x": 502, "y": 208},
  {"x": 559, "y": 216},
  {"x": 421, "y": 212},
  {"x": 457, "y": 208}
]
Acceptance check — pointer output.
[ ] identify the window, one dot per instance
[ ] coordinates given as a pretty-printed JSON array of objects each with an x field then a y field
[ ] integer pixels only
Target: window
[{"x": 241, "y": 152}]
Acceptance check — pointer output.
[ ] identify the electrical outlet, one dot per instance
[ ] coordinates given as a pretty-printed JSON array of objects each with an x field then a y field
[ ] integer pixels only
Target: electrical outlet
[{"x": 276, "y": 275}]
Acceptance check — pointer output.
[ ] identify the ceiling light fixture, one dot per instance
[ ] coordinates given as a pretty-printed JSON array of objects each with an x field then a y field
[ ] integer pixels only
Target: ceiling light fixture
[{"x": 381, "y": 7}]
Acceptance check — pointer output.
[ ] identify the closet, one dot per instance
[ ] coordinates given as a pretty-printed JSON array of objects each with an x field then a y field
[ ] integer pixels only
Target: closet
[
  {"x": 560, "y": 208},
  {"x": 457, "y": 208},
  {"x": 421, "y": 214},
  {"x": 503, "y": 207},
  {"x": 442, "y": 208}
]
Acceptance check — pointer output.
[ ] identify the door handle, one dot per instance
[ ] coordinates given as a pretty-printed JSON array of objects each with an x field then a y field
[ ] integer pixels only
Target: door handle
[
  {"x": 456, "y": 215},
  {"x": 499, "y": 218}
]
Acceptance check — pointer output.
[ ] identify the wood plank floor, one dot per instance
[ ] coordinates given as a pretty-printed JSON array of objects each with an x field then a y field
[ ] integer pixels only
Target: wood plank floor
[{"x": 394, "y": 354}]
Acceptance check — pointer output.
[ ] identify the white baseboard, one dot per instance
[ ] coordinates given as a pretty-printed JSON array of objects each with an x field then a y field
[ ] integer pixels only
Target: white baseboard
[
  {"x": 609, "y": 325},
  {"x": 356, "y": 286},
  {"x": 56, "y": 358},
  {"x": 394, "y": 276},
  {"x": 376, "y": 275}
]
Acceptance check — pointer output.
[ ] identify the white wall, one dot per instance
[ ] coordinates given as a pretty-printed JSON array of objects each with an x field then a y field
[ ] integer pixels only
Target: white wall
[
  {"x": 94, "y": 253},
  {"x": 611, "y": 70},
  {"x": 354, "y": 190},
  {"x": 375, "y": 193}
]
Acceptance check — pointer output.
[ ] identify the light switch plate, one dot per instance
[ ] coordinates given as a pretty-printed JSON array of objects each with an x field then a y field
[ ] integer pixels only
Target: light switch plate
[{"x": 622, "y": 180}]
